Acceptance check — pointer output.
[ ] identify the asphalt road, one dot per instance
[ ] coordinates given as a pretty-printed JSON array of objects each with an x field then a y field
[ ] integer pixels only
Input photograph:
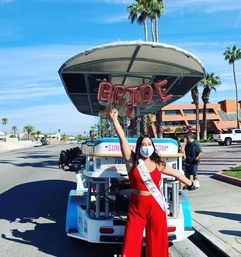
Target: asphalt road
[
  {"x": 216, "y": 158},
  {"x": 33, "y": 198}
]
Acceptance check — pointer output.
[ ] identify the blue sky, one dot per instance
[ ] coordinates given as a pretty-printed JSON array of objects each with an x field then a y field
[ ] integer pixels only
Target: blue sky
[{"x": 37, "y": 36}]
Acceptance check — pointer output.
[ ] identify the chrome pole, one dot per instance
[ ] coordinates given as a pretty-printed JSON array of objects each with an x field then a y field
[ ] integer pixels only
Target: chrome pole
[
  {"x": 97, "y": 203},
  {"x": 107, "y": 202}
]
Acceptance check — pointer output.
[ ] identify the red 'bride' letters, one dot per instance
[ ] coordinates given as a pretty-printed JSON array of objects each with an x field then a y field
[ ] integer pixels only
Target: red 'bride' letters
[
  {"x": 137, "y": 94},
  {"x": 105, "y": 92},
  {"x": 146, "y": 93},
  {"x": 119, "y": 92}
]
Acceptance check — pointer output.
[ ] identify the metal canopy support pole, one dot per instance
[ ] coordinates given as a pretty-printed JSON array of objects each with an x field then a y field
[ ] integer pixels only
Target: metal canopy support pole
[
  {"x": 111, "y": 129},
  {"x": 175, "y": 197},
  {"x": 101, "y": 127},
  {"x": 107, "y": 202},
  {"x": 179, "y": 163},
  {"x": 138, "y": 121},
  {"x": 87, "y": 86},
  {"x": 97, "y": 204},
  {"x": 89, "y": 196}
]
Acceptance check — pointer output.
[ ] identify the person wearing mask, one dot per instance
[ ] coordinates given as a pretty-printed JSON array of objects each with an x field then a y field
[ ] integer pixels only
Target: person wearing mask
[{"x": 147, "y": 206}]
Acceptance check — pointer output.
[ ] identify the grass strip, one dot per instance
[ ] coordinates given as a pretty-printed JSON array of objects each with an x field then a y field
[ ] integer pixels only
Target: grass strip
[{"x": 234, "y": 172}]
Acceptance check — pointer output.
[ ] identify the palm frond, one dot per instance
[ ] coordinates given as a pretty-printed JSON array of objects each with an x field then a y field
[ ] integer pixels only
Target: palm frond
[{"x": 232, "y": 54}]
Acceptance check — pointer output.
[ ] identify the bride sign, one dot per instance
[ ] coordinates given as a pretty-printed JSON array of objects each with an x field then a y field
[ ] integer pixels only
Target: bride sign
[{"x": 131, "y": 96}]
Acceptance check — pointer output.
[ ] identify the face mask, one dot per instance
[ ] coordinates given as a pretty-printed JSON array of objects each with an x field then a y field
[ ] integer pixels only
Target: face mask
[{"x": 146, "y": 151}]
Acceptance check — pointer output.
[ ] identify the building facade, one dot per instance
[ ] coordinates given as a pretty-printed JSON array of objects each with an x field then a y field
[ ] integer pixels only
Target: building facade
[{"x": 182, "y": 117}]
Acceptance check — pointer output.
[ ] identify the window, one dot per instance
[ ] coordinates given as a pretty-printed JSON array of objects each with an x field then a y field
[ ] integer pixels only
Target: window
[
  {"x": 172, "y": 112},
  {"x": 189, "y": 111},
  {"x": 210, "y": 111},
  {"x": 193, "y": 111},
  {"x": 193, "y": 122},
  {"x": 173, "y": 123},
  {"x": 229, "y": 131},
  {"x": 238, "y": 131}
]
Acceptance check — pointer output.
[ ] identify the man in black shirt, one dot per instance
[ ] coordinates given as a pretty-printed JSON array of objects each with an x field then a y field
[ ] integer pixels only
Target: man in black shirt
[{"x": 193, "y": 153}]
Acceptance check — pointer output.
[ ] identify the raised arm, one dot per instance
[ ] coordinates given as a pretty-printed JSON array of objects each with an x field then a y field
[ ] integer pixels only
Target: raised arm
[
  {"x": 167, "y": 170},
  {"x": 125, "y": 148}
]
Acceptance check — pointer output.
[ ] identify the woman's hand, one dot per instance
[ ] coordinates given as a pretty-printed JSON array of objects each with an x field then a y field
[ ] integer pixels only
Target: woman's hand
[
  {"x": 114, "y": 114},
  {"x": 192, "y": 186}
]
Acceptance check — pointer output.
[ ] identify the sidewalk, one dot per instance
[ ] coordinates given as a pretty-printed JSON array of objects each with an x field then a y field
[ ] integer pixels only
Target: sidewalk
[
  {"x": 216, "y": 209},
  {"x": 14, "y": 145}
]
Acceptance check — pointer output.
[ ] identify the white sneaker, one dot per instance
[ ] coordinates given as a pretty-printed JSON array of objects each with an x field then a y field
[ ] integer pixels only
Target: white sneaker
[{"x": 196, "y": 183}]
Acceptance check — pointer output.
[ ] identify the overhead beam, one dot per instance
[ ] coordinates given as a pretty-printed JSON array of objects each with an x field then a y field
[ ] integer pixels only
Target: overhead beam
[{"x": 131, "y": 63}]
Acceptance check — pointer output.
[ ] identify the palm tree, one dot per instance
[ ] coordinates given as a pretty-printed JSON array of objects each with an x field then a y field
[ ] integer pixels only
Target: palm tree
[
  {"x": 64, "y": 137},
  {"x": 152, "y": 17},
  {"x": 231, "y": 55},
  {"x": 4, "y": 121},
  {"x": 159, "y": 12},
  {"x": 210, "y": 82},
  {"x": 29, "y": 129},
  {"x": 139, "y": 12},
  {"x": 155, "y": 10},
  {"x": 159, "y": 129},
  {"x": 14, "y": 129},
  {"x": 38, "y": 134},
  {"x": 195, "y": 98}
]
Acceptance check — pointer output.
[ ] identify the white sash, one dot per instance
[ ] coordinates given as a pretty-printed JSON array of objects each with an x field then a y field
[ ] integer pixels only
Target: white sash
[{"x": 151, "y": 186}]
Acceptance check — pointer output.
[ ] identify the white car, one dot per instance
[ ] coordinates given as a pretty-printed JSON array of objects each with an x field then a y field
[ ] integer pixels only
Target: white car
[
  {"x": 37, "y": 143},
  {"x": 227, "y": 137}
]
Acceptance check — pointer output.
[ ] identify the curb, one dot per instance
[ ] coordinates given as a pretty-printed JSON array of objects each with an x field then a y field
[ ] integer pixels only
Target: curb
[
  {"x": 224, "y": 178},
  {"x": 211, "y": 243}
]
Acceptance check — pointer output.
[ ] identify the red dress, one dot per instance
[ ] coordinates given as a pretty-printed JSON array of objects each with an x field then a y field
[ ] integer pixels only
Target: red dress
[{"x": 145, "y": 212}]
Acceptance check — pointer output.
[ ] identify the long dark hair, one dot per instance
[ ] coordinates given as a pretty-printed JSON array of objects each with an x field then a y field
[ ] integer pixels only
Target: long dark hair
[{"x": 154, "y": 157}]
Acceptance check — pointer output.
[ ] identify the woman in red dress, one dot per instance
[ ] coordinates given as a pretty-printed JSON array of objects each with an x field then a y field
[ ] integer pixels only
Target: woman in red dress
[{"x": 144, "y": 211}]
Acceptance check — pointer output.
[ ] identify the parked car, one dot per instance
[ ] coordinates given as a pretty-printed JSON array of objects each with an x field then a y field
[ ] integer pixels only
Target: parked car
[
  {"x": 37, "y": 143},
  {"x": 45, "y": 142},
  {"x": 227, "y": 137}
]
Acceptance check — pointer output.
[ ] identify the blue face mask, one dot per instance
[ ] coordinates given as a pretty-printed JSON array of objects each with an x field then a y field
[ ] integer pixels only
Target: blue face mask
[{"x": 146, "y": 151}]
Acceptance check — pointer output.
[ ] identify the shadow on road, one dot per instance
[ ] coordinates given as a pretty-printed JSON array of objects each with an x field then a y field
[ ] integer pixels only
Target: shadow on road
[
  {"x": 50, "y": 164},
  {"x": 208, "y": 161},
  {"x": 43, "y": 204},
  {"x": 225, "y": 215},
  {"x": 36, "y": 156},
  {"x": 231, "y": 232}
]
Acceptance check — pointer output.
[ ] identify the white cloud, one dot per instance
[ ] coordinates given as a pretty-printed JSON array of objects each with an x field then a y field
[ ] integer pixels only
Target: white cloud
[
  {"x": 30, "y": 92},
  {"x": 115, "y": 19},
  {"x": 38, "y": 66},
  {"x": 170, "y": 5},
  {"x": 230, "y": 75},
  {"x": 116, "y": 1},
  {"x": 50, "y": 118},
  {"x": 6, "y": 1},
  {"x": 189, "y": 5},
  {"x": 79, "y": 1},
  {"x": 29, "y": 77},
  {"x": 203, "y": 5}
]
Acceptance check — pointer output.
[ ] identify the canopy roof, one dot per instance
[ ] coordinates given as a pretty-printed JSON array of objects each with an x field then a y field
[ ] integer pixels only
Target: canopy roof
[{"x": 129, "y": 63}]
